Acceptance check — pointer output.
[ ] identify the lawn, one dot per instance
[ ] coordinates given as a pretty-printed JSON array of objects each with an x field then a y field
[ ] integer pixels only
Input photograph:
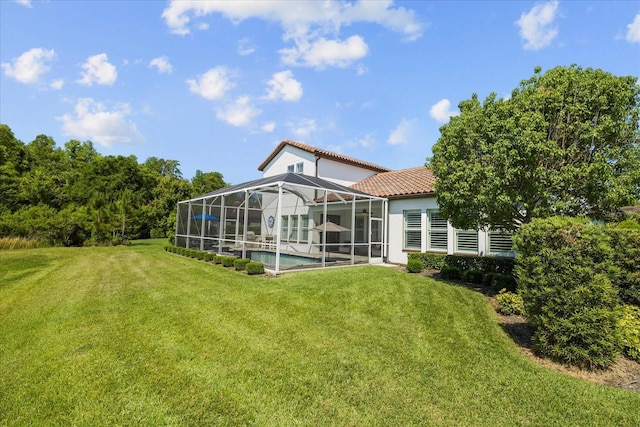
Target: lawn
[{"x": 137, "y": 336}]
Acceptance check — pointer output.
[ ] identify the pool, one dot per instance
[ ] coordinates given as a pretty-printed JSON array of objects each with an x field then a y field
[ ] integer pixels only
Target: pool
[{"x": 269, "y": 258}]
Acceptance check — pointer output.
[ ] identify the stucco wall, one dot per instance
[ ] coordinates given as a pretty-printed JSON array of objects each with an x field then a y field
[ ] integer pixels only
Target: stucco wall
[
  {"x": 290, "y": 156},
  {"x": 341, "y": 173},
  {"x": 396, "y": 228}
]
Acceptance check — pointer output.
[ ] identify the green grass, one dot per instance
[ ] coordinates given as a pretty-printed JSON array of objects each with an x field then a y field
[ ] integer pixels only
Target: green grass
[{"x": 138, "y": 336}]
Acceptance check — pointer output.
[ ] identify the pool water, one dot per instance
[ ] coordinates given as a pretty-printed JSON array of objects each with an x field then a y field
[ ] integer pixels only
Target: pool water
[{"x": 269, "y": 258}]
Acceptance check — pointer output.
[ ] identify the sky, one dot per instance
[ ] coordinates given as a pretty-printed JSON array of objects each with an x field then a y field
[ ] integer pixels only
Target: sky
[{"x": 217, "y": 85}]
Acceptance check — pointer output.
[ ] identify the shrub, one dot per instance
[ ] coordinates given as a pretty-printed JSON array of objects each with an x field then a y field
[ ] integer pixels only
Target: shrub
[
  {"x": 227, "y": 261},
  {"x": 483, "y": 263},
  {"x": 472, "y": 276},
  {"x": 241, "y": 263},
  {"x": 217, "y": 259},
  {"x": 447, "y": 272},
  {"x": 503, "y": 281},
  {"x": 625, "y": 275},
  {"x": 414, "y": 265},
  {"x": 254, "y": 268},
  {"x": 630, "y": 331},
  {"x": 487, "y": 279},
  {"x": 208, "y": 257},
  {"x": 157, "y": 233},
  {"x": 510, "y": 303},
  {"x": 561, "y": 269},
  {"x": 429, "y": 260}
]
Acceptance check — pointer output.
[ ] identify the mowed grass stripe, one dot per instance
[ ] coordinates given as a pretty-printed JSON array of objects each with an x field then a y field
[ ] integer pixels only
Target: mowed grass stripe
[{"x": 135, "y": 335}]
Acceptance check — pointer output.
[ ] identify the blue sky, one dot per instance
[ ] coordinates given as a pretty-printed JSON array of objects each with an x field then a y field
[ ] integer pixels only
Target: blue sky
[{"x": 217, "y": 84}]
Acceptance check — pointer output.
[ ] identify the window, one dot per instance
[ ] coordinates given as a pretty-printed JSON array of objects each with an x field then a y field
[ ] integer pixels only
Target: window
[
  {"x": 290, "y": 168},
  {"x": 437, "y": 239},
  {"x": 467, "y": 241},
  {"x": 299, "y": 167},
  {"x": 500, "y": 241},
  {"x": 304, "y": 228},
  {"x": 293, "y": 229},
  {"x": 284, "y": 230},
  {"x": 412, "y": 229}
]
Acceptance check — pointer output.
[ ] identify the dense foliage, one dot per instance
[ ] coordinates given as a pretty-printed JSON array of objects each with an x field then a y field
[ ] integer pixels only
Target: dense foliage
[
  {"x": 74, "y": 195},
  {"x": 565, "y": 143},
  {"x": 563, "y": 268}
]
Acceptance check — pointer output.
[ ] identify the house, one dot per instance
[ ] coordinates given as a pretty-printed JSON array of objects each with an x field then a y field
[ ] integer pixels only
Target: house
[{"x": 317, "y": 208}]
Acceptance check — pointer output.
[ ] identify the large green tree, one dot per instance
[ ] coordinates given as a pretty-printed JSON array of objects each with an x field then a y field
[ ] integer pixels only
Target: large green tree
[{"x": 565, "y": 143}]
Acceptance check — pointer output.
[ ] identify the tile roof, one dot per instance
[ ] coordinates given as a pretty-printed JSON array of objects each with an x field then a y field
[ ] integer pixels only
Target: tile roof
[
  {"x": 399, "y": 184},
  {"x": 319, "y": 152}
]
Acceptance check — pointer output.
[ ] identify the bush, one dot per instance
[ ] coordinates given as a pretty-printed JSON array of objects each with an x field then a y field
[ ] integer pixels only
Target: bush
[
  {"x": 241, "y": 263},
  {"x": 483, "y": 263},
  {"x": 510, "y": 303},
  {"x": 472, "y": 276},
  {"x": 414, "y": 266},
  {"x": 630, "y": 332},
  {"x": 217, "y": 259},
  {"x": 487, "y": 279},
  {"x": 428, "y": 260},
  {"x": 254, "y": 268},
  {"x": 447, "y": 272},
  {"x": 625, "y": 275},
  {"x": 503, "y": 281},
  {"x": 227, "y": 261},
  {"x": 561, "y": 269},
  {"x": 208, "y": 257},
  {"x": 157, "y": 233}
]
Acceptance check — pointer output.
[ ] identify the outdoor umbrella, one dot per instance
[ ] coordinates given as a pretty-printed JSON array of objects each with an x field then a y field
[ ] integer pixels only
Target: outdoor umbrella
[
  {"x": 331, "y": 227},
  {"x": 206, "y": 216}
]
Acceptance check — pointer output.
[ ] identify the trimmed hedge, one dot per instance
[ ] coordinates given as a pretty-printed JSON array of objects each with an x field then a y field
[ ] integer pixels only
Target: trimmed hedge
[
  {"x": 447, "y": 272},
  {"x": 473, "y": 276},
  {"x": 483, "y": 263},
  {"x": 561, "y": 266},
  {"x": 227, "y": 261},
  {"x": 428, "y": 260},
  {"x": 414, "y": 266},
  {"x": 254, "y": 268},
  {"x": 240, "y": 263}
]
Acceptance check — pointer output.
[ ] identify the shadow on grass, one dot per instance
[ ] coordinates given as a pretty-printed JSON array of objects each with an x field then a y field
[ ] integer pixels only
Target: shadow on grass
[{"x": 516, "y": 327}]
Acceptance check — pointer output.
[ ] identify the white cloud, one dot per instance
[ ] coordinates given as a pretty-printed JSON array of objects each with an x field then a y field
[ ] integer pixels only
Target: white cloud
[
  {"x": 441, "y": 111},
  {"x": 283, "y": 86},
  {"x": 245, "y": 47},
  {"x": 400, "y": 134},
  {"x": 162, "y": 64},
  {"x": 329, "y": 14},
  {"x": 238, "y": 114},
  {"x": 322, "y": 53},
  {"x": 57, "y": 84},
  {"x": 312, "y": 26},
  {"x": 536, "y": 25},
  {"x": 98, "y": 70},
  {"x": 269, "y": 127},
  {"x": 92, "y": 121},
  {"x": 366, "y": 141},
  {"x": 633, "y": 34},
  {"x": 28, "y": 67},
  {"x": 211, "y": 85},
  {"x": 303, "y": 128},
  {"x": 26, "y": 3}
]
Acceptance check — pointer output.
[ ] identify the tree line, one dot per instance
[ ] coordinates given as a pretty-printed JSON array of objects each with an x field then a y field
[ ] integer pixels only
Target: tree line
[{"x": 75, "y": 196}]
